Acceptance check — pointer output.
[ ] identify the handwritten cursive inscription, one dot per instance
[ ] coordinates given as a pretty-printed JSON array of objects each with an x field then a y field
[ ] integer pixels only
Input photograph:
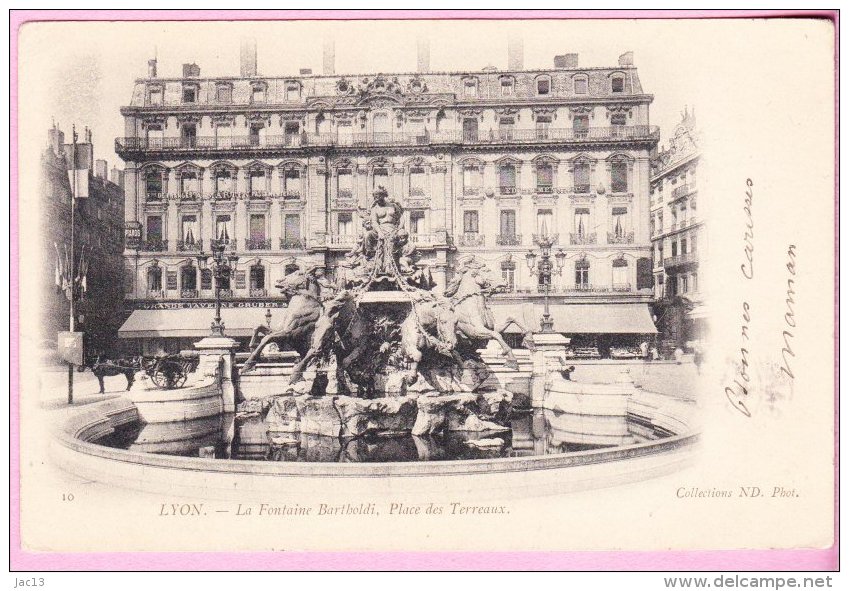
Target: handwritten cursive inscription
[
  {"x": 738, "y": 391},
  {"x": 790, "y": 314},
  {"x": 748, "y": 266}
]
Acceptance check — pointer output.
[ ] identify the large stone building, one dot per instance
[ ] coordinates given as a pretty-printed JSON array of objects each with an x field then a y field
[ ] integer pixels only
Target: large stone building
[
  {"x": 678, "y": 237},
  {"x": 283, "y": 168},
  {"x": 98, "y": 228}
]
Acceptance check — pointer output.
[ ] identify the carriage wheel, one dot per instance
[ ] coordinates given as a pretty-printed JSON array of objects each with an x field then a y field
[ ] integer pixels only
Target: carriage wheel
[{"x": 159, "y": 378}]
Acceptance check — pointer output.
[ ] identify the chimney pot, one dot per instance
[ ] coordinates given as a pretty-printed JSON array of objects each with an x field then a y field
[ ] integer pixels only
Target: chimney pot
[
  {"x": 329, "y": 57},
  {"x": 100, "y": 169},
  {"x": 626, "y": 59},
  {"x": 423, "y": 56},
  {"x": 515, "y": 54},
  {"x": 151, "y": 68},
  {"x": 247, "y": 59}
]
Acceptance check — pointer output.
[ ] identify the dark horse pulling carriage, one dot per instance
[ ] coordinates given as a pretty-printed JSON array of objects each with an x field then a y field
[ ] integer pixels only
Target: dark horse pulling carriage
[{"x": 166, "y": 371}]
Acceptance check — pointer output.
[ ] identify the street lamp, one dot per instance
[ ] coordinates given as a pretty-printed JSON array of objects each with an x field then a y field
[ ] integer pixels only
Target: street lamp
[
  {"x": 545, "y": 269},
  {"x": 222, "y": 268}
]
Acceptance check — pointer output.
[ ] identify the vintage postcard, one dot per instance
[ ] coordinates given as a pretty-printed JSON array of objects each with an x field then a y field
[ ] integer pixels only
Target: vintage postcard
[{"x": 425, "y": 284}]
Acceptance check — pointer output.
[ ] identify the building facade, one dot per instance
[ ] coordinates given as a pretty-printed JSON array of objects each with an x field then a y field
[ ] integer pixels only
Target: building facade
[
  {"x": 282, "y": 170},
  {"x": 679, "y": 241},
  {"x": 99, "y": 226}
]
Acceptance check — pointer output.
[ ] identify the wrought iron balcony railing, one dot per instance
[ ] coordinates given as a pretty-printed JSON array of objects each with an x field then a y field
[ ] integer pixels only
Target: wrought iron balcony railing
[
  {"x": 589, "y": 238},
  {"x": 423, "y": 239},
  {"x": 518, "y": 136},
  {"x": 156, "y": 294},
  {"x": 254, "y": 244},
  {"x": 471, "y": 239},
  {"x": 551, "y": 288},
  {"x": 193, "y": 246},
  {"x": 623, "y": 238},
  {"x": 258, "y": 292},
  {"x": 153, "y": 196},
  {"x": 507, "y": 190},
  {"x": 508, "y": 239},
  {"x": 154, "y": 245},
  {"x": 582, "y": 189},
  {"x": 471, "y": 191},
  {"x": 678, "y": 260},
  {"x": 227, "y": 243},
  {"x": 551, "y": 238},
  {"x": 621, "y": 287},
  {"x": 291, "y": 244},
  {"x": 188, "y": 294},
  {"x": 682, "y": 191},
  {"x": 545, "y": 189},
  {"x": 225, "y": 292},
  {"x": 344, "y": 240},
  {"x": 292, "y": 194},
  {"x": 189, "y": 196}
]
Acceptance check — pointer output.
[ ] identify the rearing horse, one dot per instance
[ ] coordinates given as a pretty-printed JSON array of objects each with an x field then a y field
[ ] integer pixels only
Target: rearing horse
[
  {"x": 468, "y": 293},
  {"x": 299, "y": 321}
]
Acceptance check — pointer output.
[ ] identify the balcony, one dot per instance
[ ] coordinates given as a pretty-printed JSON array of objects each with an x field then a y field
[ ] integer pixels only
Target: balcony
[
  {"x": 258, "y": 292},
  {"x": 551, "y": 288},
  {"x": 292, "y": 194},
  {"x": 155, "y": 294},
  {"x": 545, "y": 189},
  {"x": 189, "y": 294},
  {"x": 291, "y": 244},
  {"x": 153, "y": 196},
  {"x": 127, "y": 146},
  {"x": 189, "y": 196},
  {"x": 582, "y": 238},
  {"x": 621, "y": 287},
  {"x": 471, "y": 239},
  {"x": 258, "y": 195},
  {"x": 423, "y": 239},
  {"x": 193, "y": 246},
  {"x": 471, "y": 191},
  {"x": 551, "y": 239},
  {"x": 257, "y": 244},
  {"x": 341, "y": 240},
  {"x": 688, "y": 258},
  {"x": 682, "y": 191},
  {"x": 508, "y": 239},
  {"x": 223, "y": 195},
  {"x": 227, "y": 243},
  {"x": 154, "y": 245},
  {"x": 586, "y": 288},
  {"x": 225, "y": 293},
  {"x": 507, "y": 190},
  {"x": 624, "y": 238},
  {"x": 581, "y": 189}
]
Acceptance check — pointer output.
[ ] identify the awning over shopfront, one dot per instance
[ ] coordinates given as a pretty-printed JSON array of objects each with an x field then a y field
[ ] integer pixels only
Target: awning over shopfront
[
  {"x": 603, "y": 319},
  {"x": 238, "y": 322},
  {"x": 575, "y": 318}
]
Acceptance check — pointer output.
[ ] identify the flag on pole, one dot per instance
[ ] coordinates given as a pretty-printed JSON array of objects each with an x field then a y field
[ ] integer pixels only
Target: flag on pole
[
  {"x": 59, "y": 271},
  {"x": 66, "y": 279},
  {"x": 81, "y": 280},
  {"x": 79, "y": 182}
]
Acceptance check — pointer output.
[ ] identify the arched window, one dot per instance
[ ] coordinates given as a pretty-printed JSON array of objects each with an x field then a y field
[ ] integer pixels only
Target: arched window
[{"x": 582, "y": 273}]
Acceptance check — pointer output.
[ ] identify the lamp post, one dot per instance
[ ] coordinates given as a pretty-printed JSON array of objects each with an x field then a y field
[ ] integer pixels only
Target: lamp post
[
  {"x": 545, "y": 269},
  {"x": 222, "y": 268}
]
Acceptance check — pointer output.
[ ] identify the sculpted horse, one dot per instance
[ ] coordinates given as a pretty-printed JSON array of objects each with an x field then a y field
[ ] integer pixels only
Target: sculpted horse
[
  {"x": 298, "y": 323},
  {"x": 438, "y": 324},
  {"x": 468, "y": 292}
]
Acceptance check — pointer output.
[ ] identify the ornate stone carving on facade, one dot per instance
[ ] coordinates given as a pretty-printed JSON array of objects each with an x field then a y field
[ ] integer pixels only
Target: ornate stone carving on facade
[
  {"x": 581, "y": 199},
  {"x": 416, "y": 85},
  {"x": 223, "y": 119},
  {"x": 580, "y": 110},
  {"x": 507, "y": 112},
  {"x": 472, "y": 113},
  {"x": 263, "y": 118},
  {"x": 155, "y": 120},
  {"x": 345, "y": 87},
  {"x": 611, "y": 109},
  {"x": 187, "y": 118},
  {"x": 544, "y": 112}
]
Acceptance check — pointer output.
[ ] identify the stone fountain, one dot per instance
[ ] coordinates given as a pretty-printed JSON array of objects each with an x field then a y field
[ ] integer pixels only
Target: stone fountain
[{"x": 382, "y": 353}]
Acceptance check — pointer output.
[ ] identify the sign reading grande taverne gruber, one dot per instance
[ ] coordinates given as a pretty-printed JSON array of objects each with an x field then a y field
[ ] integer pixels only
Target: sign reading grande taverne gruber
[{"x": 210, "y": 304}]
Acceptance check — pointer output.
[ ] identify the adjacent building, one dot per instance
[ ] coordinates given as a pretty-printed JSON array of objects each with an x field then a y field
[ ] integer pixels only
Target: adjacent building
[
  {"x": 95, "y": 269},
  {"x": 678, "y": 237},
  {"x": 282, "y": 170}
]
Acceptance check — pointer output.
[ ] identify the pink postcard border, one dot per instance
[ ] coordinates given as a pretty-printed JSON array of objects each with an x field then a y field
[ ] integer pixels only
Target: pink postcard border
[{"x": 740, "y": 560}]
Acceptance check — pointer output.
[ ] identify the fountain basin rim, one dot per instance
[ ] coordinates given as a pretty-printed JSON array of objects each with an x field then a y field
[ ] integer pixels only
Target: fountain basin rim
[{"x": 73, "y": 430}]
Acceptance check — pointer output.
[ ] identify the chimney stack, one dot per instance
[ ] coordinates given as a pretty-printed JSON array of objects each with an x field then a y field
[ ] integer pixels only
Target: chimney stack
[
  {"x": 566, "y": 61},
  {"x": 305, "y": 71},
  {"x": 329, "y": 57},
  {"x": 151, "y": 68},
  {"x": 117, "y": 176},
  {"x": 626, "y": 59},
  {"x": 423, "y": 59},
  {"x": 56, "y": 139},
  {"x": 191, "y": 71},
  {"x": 515, "y": 54},
  {"x": 101, "y": 169},
  {"x": 247, "y": 58}
]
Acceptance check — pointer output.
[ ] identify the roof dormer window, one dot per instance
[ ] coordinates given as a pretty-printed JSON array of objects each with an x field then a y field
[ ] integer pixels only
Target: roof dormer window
[
  {"x": 543, "y": 85},
  {"x": 293, "y": 91},
  {"x": 470, "y": 87},
  {"x": 508, "y": 84},
  {"x": 617, "y": 84},
  {"x": 581, "y": 83},
  {"x": 190, "y": 93}
]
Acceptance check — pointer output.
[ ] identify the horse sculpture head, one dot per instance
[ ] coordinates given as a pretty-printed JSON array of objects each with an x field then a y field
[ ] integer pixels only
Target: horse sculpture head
[
  {"x": 472, "y": 278},
  {"x": 293, "y": 283}
]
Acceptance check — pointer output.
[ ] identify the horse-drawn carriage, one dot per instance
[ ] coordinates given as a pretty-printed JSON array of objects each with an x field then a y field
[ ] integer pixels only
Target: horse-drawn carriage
[{"x": 165, "y": 371}]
